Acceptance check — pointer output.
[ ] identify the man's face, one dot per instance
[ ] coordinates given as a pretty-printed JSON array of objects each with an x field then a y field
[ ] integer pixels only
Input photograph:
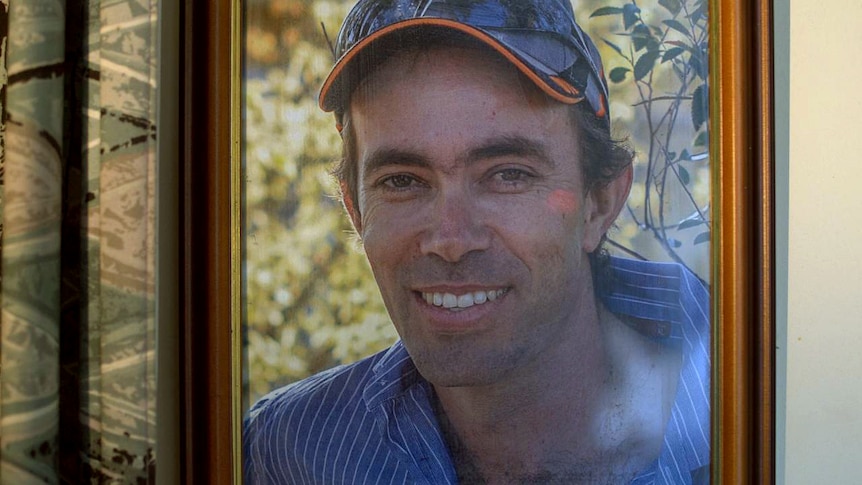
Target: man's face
[{"x": 474, "y": 216}]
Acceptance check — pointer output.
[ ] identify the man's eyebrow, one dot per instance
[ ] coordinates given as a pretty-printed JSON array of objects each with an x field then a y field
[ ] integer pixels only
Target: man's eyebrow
[
  {"x": 496, "y": 147},
  {"x": 393, "y": 156},
  {"x": 511, "y": 145}
]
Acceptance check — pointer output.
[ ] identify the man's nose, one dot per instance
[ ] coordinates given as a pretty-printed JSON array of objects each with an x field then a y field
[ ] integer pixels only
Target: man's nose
[{"x": 457, "y": 227}]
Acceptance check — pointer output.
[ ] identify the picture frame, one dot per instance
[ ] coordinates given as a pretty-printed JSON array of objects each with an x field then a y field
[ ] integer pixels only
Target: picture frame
[{"x": 742, "y": 274}]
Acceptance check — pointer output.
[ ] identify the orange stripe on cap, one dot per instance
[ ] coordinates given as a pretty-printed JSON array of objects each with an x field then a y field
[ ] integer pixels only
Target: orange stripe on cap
[
  {"x": 565, "y": 86},
  {"x": 451, "y": 24},
  {"x": 602, "y": 111}
]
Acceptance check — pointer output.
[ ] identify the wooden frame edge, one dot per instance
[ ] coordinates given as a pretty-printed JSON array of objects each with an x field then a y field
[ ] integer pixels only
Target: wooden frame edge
[
  {"x": 766, "y": 337},
  {"x": 743, "y": 282},
  {"x": 236, "y": 234},
  {"x": 207, "y": 414}
]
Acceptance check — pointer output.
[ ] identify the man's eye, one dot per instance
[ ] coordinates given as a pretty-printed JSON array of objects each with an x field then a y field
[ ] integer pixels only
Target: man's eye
[
  {"x": 512, "y": 175},
  {"x": 507, "y": 180},
  {"x": 399, "y": 181}
]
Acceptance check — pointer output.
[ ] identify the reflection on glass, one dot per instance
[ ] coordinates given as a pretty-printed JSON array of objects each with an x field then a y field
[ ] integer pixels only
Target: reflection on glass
[{"x": 312, "y": 302}]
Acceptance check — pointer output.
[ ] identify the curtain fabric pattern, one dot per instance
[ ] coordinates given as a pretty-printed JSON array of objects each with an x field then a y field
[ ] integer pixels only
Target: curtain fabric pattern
[
  {"x": 31, "y": 241},
  {"x": 117, "y": 116},
  {"x": 121, "y": 148}
]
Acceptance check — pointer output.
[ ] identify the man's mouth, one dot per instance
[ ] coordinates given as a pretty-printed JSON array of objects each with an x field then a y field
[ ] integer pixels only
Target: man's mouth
[{"x": 466, "y": 300}]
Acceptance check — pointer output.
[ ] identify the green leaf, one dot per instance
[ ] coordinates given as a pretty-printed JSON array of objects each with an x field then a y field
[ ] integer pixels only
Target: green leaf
[
  {"x": 645, "y": 64},
  {"x": 618, "y": 74},
  {"x": 702, "y": 139},
  {"x": 699, "y": 63},
  {"x": 671, "y": 156},
  {"x": 689, "y": 223},
  {"x": 607, "y": 11},
  {"x": 702, "y": 238},
  {"x": 630, "y": 15},
  {"x": 673, "y": 242},
  {"x": 642, "y": 37},
  {"x": 684, "y": 155},
  {"x": 684, "y": 177},
  {"x": 699, "y": 106},
  {"x": 699, "y": 13},
  {"x": 614, "y": 47},
  {"x": 672, "y": 6},
  {"x": 677, "y": 26},
  {"x": 672, "y": 53}
]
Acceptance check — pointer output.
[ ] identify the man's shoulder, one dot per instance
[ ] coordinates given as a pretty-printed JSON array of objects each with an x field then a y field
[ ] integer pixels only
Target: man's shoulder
[
  {"x": 310, "y": 414},
  {"x": 338, "y": 387},
  {"x": 313, "y": 428}
]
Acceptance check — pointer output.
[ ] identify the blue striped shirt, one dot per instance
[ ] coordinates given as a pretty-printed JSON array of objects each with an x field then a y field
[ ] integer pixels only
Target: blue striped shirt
[{"x": 372, "y": 422}]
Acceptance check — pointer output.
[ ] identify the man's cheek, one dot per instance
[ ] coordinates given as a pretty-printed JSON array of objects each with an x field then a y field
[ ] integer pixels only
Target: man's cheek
[
  {"x": 563, "y": 202},
  {"x": 370, "y": 209}
]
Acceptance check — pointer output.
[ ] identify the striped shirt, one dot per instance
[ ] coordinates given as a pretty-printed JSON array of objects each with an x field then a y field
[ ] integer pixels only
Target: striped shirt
[{"x": 373, "y": 422}]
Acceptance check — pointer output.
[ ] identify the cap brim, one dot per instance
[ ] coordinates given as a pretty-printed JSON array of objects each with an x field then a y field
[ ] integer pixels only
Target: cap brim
[{"x": 333, "y": 94}]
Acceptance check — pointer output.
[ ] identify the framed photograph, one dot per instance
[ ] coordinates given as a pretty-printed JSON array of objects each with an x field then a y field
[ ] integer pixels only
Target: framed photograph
[{"x": 267, "y": 247}]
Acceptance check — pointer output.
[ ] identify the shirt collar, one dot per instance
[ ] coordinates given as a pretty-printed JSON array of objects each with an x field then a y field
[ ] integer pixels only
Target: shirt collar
[{"x": 393, "y": 374}]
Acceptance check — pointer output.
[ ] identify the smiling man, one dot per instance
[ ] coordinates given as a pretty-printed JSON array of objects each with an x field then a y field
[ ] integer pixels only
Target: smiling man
[{"x": 481, "y": 176}]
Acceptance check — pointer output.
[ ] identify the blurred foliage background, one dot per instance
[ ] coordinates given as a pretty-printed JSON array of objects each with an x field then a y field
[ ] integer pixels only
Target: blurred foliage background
[{"x": 311, "y": 301}]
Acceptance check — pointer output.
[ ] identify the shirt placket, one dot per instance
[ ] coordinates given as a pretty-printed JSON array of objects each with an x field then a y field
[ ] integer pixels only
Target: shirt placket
[{"x": 412, "y": 433}]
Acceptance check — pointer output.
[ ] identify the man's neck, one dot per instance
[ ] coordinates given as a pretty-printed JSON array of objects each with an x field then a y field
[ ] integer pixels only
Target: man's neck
[{"x": 574, "y": 418}]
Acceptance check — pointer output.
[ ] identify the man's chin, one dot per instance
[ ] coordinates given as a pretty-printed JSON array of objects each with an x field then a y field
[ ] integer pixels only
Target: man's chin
[{"x": 452, "y": 368}]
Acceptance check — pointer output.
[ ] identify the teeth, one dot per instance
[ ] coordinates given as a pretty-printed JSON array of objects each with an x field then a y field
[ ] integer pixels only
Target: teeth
[
  {"x": 465, "y": 300},
  {"x": 449, "y": 300}
]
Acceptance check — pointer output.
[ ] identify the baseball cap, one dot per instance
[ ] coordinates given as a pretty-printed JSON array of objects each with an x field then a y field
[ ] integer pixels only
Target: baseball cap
[{"x": 539, "y": 37}]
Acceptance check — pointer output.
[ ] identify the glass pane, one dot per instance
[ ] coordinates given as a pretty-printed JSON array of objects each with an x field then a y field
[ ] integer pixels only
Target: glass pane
[{"x": 311, "y": 300}]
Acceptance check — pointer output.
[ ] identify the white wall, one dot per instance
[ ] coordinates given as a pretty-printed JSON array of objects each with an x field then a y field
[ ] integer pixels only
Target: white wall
[{"x": 822, "y": 347}]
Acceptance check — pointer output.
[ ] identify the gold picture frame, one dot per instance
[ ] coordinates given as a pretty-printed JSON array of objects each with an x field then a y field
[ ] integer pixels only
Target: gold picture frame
[{"x": 742, "y": 252}]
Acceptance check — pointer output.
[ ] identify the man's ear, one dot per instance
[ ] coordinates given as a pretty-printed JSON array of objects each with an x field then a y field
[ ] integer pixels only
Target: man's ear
[
  {"x": 352, "y": 211},
  {"x": 603, "y": 206}
]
